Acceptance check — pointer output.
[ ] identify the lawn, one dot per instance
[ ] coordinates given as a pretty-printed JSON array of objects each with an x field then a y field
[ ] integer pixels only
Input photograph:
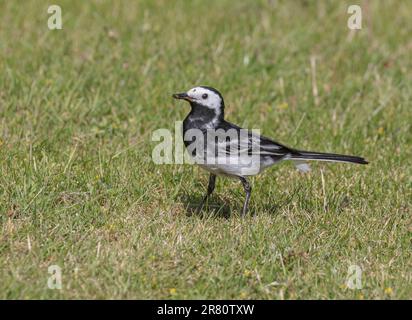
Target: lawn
[{"x": 79, "y": 189}]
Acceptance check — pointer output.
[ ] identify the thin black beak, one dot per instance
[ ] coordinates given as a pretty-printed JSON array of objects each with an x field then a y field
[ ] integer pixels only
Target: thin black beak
[{"x": 183, "y": 96}]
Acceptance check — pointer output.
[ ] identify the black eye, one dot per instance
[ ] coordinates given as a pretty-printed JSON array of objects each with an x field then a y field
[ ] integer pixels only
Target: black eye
[{"x": 204, "y": 96}]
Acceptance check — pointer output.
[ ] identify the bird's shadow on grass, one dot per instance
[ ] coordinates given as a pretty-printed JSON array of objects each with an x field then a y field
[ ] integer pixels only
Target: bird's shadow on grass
[
  {"x": 217, "y": 207},
  {"x": 214, "y": 206}
]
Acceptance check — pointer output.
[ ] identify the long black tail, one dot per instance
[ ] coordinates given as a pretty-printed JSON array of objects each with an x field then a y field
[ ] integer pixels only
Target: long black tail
[{"x": 318, "y": 156}]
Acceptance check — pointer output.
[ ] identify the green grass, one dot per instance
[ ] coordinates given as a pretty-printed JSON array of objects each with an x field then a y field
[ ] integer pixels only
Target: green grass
[{"x": 78, "y": 187}]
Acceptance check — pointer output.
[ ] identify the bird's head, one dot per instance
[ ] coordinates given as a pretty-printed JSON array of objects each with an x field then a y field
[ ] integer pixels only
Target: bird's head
[{"x": 203, "y": 97}]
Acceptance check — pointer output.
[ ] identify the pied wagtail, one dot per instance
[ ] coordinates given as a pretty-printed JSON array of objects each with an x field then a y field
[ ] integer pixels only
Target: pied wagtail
[{"x": 207, "y": 139}]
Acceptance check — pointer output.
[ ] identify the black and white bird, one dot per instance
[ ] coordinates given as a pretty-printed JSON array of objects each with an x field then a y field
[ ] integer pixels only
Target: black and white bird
[{"x": 225, "y": 149}]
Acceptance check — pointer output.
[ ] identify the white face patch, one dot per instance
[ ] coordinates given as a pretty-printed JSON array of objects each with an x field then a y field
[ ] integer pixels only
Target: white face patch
[{"x": 206, "y": 98}]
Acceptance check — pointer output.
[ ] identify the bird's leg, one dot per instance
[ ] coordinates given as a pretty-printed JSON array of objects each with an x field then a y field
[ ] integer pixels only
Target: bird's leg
[
  {"x": 248, "y": 190},
  {"x": 210, "y": 188}
]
